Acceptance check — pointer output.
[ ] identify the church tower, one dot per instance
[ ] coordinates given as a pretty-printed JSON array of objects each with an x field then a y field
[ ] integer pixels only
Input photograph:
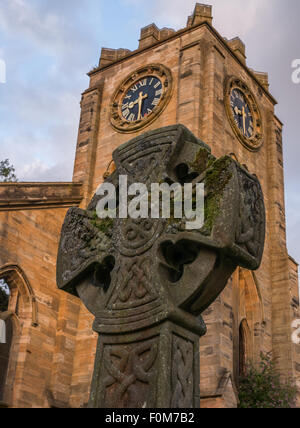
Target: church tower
[{"x": 197, "y": 78}]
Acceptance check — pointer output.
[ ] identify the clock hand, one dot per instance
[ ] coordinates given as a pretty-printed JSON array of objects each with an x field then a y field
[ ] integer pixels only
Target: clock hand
[
  {"x": 237, "y": 111},
  {"x": 140, "y": 101},
  {"x": 244, "y": 120},
  {"x": 133, "y": 103}
]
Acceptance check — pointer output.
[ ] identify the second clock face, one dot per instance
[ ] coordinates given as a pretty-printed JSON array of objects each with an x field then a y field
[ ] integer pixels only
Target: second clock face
[
  {"x": 241, "y": 113},
  {"x": 142, "y": 98}
]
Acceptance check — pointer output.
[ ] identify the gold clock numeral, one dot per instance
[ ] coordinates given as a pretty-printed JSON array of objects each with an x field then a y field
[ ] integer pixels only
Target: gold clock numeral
[
  {"x": 131, "y": 117},
  {"x": 125, "y": 106},
  {"x": 150, "y": 83},
  {"x": 126, "y": 113},
  {"x": 134, "y": 88},
  {"x": 128, "y": 97},
  {"x": 158, "y": 93},
  {"x": 149, "y": 111},
  {"x": 155, "y": 101},
  {"x": 157, "y": 85},
  {"x": 143, "y": 83}
]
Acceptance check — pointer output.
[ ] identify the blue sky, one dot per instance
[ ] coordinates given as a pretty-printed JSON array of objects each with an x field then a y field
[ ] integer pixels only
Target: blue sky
[{"x": 50, "y": 45}]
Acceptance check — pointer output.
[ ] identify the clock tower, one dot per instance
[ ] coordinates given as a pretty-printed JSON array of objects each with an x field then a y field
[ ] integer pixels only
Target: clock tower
[{"x": 197, "y": 78}]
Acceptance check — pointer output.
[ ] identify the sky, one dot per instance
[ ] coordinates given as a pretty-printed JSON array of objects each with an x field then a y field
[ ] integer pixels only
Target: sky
[{"x": 49, "y": 45}]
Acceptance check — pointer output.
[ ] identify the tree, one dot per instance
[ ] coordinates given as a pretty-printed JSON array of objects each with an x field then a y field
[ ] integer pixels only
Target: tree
[
  {"x": 262, "y": 387},
  {"x": 7, "y": 172}
]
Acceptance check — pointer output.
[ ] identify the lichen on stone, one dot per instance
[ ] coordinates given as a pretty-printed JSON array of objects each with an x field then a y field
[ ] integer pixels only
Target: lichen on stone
[
  {"x": 216, "y": 179},
  {"x": 103, "y": 225},
  {"x": 202, "y": 161}
]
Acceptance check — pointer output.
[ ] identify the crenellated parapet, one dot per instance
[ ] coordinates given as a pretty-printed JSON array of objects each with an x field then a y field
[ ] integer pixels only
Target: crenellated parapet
[
  {"x": 151, "y": 35},
  {"x": 238, "y": 47},
  {"x": 202, "y": 13}
]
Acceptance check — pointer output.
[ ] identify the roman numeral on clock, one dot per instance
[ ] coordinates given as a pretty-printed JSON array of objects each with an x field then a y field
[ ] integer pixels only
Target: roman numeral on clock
[
  {"x": 126, "y": 113},
  {"x": 155, "y": 101}
]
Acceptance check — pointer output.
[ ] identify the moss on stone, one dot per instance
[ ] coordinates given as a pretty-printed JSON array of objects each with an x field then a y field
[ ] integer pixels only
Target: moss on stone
[
  {"x": 217, "y": 177},
  {"x": 203, "y": 160},
  {"x": 103, "y": 225}
]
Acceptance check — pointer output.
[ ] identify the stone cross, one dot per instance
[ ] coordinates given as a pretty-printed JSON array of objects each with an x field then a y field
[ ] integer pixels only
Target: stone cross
[{"x": 147, "y": 281}]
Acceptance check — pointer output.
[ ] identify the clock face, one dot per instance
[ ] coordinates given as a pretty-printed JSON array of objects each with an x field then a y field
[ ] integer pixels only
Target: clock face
[
  {"x": 142, "y": 99},
  {"x": 244, "y": 114},
  {"x": 241, "y": 113}
]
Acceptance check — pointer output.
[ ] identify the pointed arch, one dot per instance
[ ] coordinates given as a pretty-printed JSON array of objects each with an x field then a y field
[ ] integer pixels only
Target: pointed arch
[
  {"x": 245, "y": 348},
  {"x": 18, "y": 281},
  {"x": 249, "y": 320},
  {"x": 251, "y": 309},
  {"x": 253, "y": 298},
  {"x": 21, "y": 314}
]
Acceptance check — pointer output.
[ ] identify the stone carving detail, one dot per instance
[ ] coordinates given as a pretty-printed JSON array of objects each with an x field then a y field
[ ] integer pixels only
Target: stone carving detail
[
  {"x": 251, "y": 223},
  {"x": 135, "y": 288},
  {"x": 129, "y": 372},
  {"x": 136, "y": 275},
  {"x": 182, "y": 374},
  {"x": 81, "y": 243},
  {"x": 138, "y": 236}
]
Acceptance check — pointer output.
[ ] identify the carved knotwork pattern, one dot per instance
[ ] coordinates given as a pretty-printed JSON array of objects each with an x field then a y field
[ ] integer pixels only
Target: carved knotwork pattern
[
  {"x": 182, "y": 373},
  {"x": 136, "y": 288},
  {"x": 129, "y": 374},
  {"x": 81, "y": 242},
  {"x": 249, "y": 230},
  {"x": 138, "y": 235}
]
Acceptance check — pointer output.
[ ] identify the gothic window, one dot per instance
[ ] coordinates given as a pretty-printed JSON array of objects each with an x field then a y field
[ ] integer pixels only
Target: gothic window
[
  {"x": 5, "y": 353},
  {"x": 242, "y": 350},
  {"x": 18, "y": 308},
  {"x": 6, "y": 335},
  {"x": 4, "y": 296},
  {"x": 249, "y": 325}
]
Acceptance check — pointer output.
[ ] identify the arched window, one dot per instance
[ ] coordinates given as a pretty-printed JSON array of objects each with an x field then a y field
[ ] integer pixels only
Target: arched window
[
  {"x": 4, "y": 296},
  {"x": 5, "y": 349},
  {"x": 242, "y": 350},
  {"x": 249, "y": 321},
  {"x": 18, "y": 309},
  {"x": 6, "y": 335}
]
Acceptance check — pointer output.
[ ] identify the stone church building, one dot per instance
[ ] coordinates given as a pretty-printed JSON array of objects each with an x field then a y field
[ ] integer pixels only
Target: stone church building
[{"x": 47, "y": 360}]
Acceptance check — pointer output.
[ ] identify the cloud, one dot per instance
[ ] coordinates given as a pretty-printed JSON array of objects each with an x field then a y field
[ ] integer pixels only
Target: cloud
[
  {"x": 29, "y": 172},
  {"x": 48, "y": 52},
  {"x": 231, "y": 17}
]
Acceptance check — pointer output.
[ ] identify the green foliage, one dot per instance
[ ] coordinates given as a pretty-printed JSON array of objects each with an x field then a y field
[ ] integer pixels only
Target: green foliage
[
  {"x": 103, "y": 225},
  {"x": 7, "y": 172},
  {"x": 4, "y": 296},
  {"x": 262, "y": 388}
]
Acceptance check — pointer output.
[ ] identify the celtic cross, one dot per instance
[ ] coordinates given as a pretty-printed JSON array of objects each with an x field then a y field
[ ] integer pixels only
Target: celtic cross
[{"x": 147, "y": 281}]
